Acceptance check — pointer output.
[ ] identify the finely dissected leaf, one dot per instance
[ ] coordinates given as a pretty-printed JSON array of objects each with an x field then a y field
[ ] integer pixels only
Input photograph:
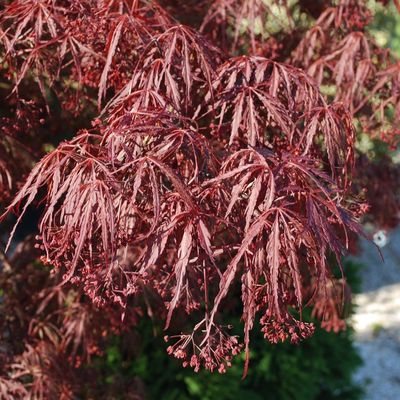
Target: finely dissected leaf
[
  {"x": 249, "y": 312},
  {"x": 184, "y": 251},
  {"x": 112, "y": 44},
  {"x": 273, "y": 258}
]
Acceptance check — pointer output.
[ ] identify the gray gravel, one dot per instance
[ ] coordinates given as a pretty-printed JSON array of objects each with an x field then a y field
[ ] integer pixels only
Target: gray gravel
[{"x": 377, "y": 320}]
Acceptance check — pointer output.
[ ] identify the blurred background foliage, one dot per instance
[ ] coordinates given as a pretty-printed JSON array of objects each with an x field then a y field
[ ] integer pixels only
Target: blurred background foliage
[{"x": 385, "y": 27}]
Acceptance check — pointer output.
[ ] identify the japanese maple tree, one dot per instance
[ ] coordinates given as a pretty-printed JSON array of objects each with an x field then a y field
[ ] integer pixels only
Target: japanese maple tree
[{"x": 215, "y": 153}]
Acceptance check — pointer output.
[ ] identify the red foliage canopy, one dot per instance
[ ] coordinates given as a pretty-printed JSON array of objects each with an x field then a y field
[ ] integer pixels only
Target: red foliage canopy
[{"x": 206, "y": 168}]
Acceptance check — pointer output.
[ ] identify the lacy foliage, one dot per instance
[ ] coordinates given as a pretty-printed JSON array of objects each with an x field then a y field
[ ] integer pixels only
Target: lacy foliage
[{"x": 206, "y": 170}]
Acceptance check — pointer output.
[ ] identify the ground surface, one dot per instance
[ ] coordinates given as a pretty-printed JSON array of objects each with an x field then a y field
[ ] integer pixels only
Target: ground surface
[{"x": 377, "y": 320}]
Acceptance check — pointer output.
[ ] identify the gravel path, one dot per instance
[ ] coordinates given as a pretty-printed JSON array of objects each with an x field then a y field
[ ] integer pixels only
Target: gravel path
[{"x": 377, "y": 320}]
